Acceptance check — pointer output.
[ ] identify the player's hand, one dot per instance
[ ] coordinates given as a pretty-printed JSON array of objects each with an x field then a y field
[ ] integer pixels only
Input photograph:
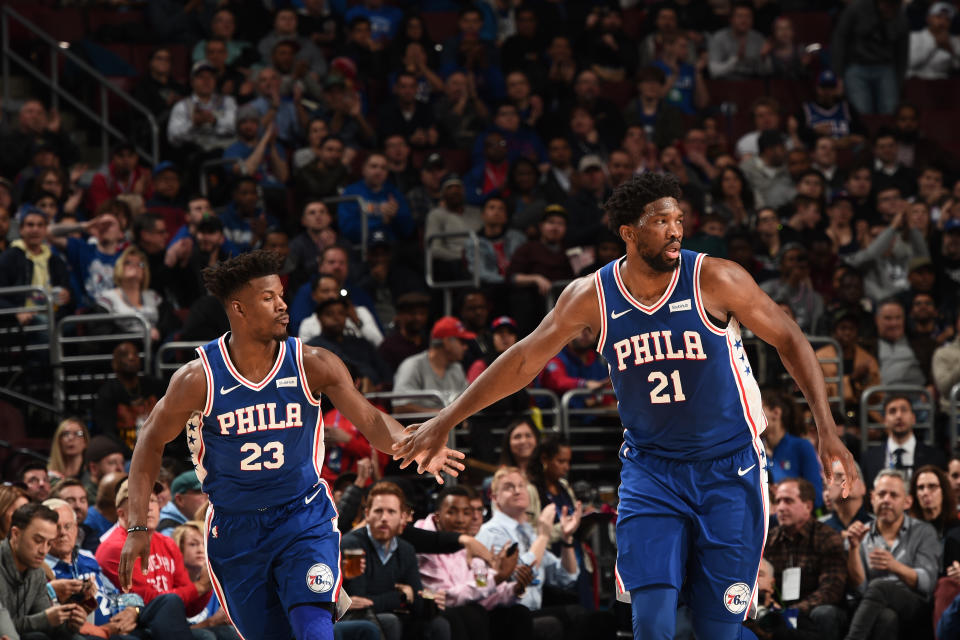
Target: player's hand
[
  {"x": 425, "y": 444},
  {"x": 136, "y": 546},
  {"x": 832, "y": 449}
]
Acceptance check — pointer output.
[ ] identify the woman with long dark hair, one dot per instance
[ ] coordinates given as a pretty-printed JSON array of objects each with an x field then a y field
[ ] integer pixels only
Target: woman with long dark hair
[
  {"x": 933, "y": 499},
  {"x": 518, "y": 449},
  {"x": 732, "y": 197}
]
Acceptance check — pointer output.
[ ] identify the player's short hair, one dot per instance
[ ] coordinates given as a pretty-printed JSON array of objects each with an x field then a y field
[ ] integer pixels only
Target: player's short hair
[
  {"x": 226, "y": 278},
  {"x": 500, "y": 474},
  {"x": 805, "y": 489},
  {"x": 626, "y": 204},
  {"x": 386, "y": 488}
]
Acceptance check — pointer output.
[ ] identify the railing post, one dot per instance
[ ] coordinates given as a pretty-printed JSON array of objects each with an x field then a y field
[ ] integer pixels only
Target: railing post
[
  {"x": 54, "y": 77},
  {"x": 104, "y": 136}
]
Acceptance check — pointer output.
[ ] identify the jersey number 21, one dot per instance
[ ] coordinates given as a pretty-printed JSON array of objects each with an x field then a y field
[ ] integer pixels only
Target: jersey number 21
[{"x": 660, "y": 380}]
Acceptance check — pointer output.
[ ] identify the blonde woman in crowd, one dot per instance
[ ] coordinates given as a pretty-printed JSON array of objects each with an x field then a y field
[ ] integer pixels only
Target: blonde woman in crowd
[
  {"x": 66, "y": 453},
  {"x": 212, "y": 622},
  {"x": 11, "y": 498}
]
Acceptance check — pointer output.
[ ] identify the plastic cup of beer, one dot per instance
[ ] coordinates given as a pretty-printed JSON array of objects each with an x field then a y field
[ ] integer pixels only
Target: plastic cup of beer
[
  {"x": 479, "y": 572},
  {"x": 352, "y": 563}
]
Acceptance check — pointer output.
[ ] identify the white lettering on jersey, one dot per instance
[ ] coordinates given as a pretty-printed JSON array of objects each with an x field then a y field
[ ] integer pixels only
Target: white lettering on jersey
[
  {"x": 639, "y": 346},
  {"x": 259, "y": 417},
  {"x": 682, "y": 305},
  {"x": 287, "y": 382}
]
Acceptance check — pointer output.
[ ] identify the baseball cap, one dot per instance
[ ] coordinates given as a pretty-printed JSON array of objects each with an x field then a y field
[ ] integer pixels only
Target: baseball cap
[
  {"x": 827, "y": 78},
  {"x": 450, "y": 180},
  {"x": 123, "y": 491},
  {"x": 100, "y": 447},
  {"x": 450, "y": 327},
  {"x": 186, "y": 481},
  {"x": 379, "y": 238},
  {"x": 938, "y": 8},
  {"x": 921, "y": 262},
  {"x": 166, "y": 165},
  {"x": 504, "y": 322},
  {"x": 554, "y": 210},
  {"x": 590, "y": 161},
  {"x": 29, "y": 210},
  {"x": 201, "y": 65},
  {"x": 412, "y": 299},
  {"x": 433, "y": 161}
]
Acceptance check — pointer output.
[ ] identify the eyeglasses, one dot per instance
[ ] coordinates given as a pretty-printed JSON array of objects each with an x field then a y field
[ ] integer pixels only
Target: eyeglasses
[{"x": 69, "y": 435}]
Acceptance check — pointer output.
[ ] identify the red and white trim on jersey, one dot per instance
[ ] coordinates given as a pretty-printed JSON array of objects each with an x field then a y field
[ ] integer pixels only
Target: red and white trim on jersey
[
  {"x": 698, "y": 298},
  {"x": 602, "y": 337},
  {"x": 304, "y": 384},
  {"x": 622, "y": 594},
  {"x": 749, "y": 391},
  {"x": 636, "y": 303},
  {"x": 217, "y": 589},
  {"x": 208, "y": 373},
  {"x": 336, "y": 528},
  {"x": 765, "y": 497},
  {"x": 256, "y": 386}
]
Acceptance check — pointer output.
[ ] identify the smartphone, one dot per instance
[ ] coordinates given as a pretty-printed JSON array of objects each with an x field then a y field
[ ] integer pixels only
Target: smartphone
[
  {"x": 513, "y": 549},
  {"x": 80, "y": 596}
]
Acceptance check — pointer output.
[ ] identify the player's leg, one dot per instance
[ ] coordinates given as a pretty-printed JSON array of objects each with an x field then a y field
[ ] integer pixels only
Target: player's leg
[
  {"x": 726, "y": 543},
  {"x": 706, "y": 628},
  {"x": 307, "y": 566},
  {"x": 312, "y": 621},
  {"x": 654, "y": 612},
  {"x": 652, "y": 542},
  {"x": 239, "y": 572}
]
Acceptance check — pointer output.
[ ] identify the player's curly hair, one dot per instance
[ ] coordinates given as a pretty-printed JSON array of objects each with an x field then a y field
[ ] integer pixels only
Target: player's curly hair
[
  {"x": 226, "y": 278},
  {"x": 626, "y": 204}
]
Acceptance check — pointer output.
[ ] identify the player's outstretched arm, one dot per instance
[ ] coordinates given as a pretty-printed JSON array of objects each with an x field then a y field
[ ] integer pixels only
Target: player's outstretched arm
[
  {"x": 186, "y": 395},
  {"x": 577, "y": 307},
  {"x": 327, "y": 375},
  {"x": 728, "y": 288}
]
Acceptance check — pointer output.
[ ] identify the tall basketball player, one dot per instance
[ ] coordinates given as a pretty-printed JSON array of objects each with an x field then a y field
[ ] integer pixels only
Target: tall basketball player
[
  {"x": 693, "y": 499},
  {"x": 251, "y": 406}
]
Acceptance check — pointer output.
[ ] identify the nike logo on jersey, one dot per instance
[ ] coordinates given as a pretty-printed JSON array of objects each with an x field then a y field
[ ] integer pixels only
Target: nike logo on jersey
[
  {"x": 616, "y": 314},
  {"x": 310, "y": 499},
  {"x": 742, "y": 472},
  {"x": 224, "y": 392},
  {"x": 682, "y": 305}
]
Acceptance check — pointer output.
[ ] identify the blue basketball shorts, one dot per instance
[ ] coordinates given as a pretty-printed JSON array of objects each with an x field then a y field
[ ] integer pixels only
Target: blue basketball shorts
[
  {"x": 263, "y": 563},
  {"x": 696, "y": 526}
]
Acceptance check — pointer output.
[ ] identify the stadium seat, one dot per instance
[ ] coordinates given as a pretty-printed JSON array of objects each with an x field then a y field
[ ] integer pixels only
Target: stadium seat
[
  {"x": 811, "y": 26},
  {"x": 931, "y": 94},
  {"x": 741, "y": 92}
]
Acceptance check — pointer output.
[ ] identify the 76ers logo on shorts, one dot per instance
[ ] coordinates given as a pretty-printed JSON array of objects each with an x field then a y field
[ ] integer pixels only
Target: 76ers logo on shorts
[
  {"x": 320, "y": 578},
  {"x": 737, "y": 597}
]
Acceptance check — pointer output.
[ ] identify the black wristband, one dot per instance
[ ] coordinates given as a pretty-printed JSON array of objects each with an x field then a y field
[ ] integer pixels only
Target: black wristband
[
  {"x": 566, "y": 545},
  {"x": 135, "y": 529}
]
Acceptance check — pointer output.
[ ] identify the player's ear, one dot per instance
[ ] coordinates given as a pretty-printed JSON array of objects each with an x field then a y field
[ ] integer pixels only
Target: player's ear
[
  {"x": 237, "y": 307},
  {"x": 627, "y": 234}
]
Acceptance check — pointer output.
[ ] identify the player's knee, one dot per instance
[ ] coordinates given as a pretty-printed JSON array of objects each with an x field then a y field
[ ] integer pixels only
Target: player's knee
[
  {"x": 654, "y": 612},
  {"x": 312, "y": 622}
]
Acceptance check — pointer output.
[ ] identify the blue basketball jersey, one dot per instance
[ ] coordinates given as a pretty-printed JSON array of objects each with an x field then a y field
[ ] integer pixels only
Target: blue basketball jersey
[
  {"x": 684, "y": 386},
  {"x": 837, "y": 116},
  {"x": 257, "y": 444}
]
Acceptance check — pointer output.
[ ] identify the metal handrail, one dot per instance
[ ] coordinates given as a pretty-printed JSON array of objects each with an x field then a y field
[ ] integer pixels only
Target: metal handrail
[
  {"x": 53, "y": 81},
  {"x": 215, "y": 162},
  {"x": 919, "y": 407},
  {"x": 361, "y": 205},
  {"x": 36, "y": 293},
  {"x": 550, "y": 300},
  {"x": 447, "y": 286},
  {"x": 147, "y": 353},
  {"x": 566, "y": 412},
  {"x": 554, "y": 399},
  {"x": 163, "y": 369},
  {"x": 954, "y": 412}
]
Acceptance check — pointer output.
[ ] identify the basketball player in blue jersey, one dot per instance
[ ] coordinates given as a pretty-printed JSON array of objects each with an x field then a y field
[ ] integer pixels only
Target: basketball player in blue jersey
[
  {"x": 693, "y": 500},
  {"x": 251, "y": 406}
]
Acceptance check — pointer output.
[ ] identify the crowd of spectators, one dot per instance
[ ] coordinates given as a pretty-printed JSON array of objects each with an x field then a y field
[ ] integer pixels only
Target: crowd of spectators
[{"x": 352, "y": 142}]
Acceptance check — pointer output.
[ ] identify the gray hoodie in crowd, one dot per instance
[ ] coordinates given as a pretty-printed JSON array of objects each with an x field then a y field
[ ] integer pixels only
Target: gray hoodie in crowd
[{"x": 24, "y": 596}]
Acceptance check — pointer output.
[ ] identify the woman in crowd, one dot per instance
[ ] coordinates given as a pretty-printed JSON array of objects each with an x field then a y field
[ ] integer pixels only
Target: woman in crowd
[
  {"x": 212, "y": 622},
  {"x": 132, "y": 295},
  {"x": 933, "y": 499},
  {"x": 66, "y": 452},
  {"x": 732, "y": 197},
  {"x": 317, "y": 130},
  {"x": 518, "y": 449},
  {"x": 53, "y": 181},
  {"x": 549, "y": 475},
  {"x": 12, "y": 498}
]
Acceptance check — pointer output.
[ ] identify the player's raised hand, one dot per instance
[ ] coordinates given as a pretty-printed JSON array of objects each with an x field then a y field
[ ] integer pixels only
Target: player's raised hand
[
  {"x": 447, "y": 462},
  {"x": 424, "y": 444},
  {"x": 832, "y": 449},
  {"x": 136, "y": 546}
]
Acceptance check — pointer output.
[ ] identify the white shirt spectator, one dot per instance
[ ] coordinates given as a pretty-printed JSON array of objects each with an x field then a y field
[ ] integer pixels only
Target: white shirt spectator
[
  {"x": 220, "y": 135},
  {"x": 310, "y": 328},
  {"x": 928, "y": 61}
]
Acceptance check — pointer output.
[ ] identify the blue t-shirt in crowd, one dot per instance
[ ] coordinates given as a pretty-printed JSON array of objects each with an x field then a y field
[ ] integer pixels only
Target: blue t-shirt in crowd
[
  {"x": 92, "y": 267},
  {"x": 681, "y": 93},
  {"x": 384, "y": 21},
  {"x": 796, "y": 458}
]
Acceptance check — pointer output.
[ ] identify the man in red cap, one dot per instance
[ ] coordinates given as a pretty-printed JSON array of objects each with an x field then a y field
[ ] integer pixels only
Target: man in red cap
[{"x": 436, "y": 369}]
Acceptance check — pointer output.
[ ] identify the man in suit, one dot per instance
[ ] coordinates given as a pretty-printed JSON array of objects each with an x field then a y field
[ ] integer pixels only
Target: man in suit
[{"x": 902, "y": 450}]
